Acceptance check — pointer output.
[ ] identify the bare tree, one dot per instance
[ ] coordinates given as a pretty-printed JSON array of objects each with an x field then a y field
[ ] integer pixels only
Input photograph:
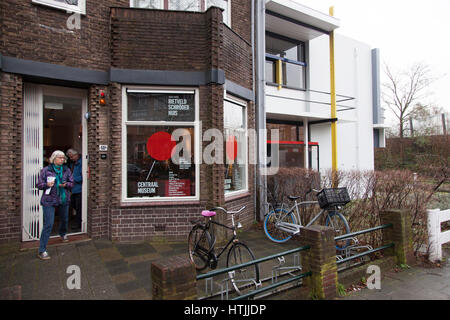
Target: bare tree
[
  {"x": 426, "y": 119},
  {"x": 403, "y": 90}
]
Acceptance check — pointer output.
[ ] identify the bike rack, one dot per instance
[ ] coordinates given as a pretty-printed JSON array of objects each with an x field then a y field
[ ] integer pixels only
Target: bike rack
[
  {"x": 225, "y": 285},
  {"x": 350, "y": 250},
  {"x": 276, "y": 270}
]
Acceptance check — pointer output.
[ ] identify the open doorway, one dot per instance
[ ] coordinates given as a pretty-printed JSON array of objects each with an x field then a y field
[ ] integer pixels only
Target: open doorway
[
  {"x": 53, "y": 120},
  {"x": 63, "y": 130}
]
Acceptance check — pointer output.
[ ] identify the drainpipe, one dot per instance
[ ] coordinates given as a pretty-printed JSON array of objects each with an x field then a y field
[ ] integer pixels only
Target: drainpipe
[
  {"x": 255, "y": 167},
  {"x": 260, "y": 41}
]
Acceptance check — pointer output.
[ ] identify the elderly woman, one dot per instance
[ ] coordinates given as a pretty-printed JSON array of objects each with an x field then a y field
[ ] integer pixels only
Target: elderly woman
[{"x": 56, "y": 181}]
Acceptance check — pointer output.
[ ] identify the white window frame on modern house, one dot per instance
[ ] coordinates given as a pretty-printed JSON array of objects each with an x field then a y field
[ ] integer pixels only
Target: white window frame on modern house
[
  {"x": 205, "y": 4},
  {"x": 243, "y": 104},
  {"x": 195, "y": 124},
  {"x": 280, "y": 63},
  {"x": 79, "y": 8}
]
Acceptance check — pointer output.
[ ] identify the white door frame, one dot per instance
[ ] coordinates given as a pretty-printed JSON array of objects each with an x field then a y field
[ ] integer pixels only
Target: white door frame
[{"x": 70, "y": 93}]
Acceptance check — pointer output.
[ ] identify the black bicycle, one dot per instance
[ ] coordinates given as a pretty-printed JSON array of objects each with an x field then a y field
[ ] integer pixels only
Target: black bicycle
[{"x": 202, "y": 253}]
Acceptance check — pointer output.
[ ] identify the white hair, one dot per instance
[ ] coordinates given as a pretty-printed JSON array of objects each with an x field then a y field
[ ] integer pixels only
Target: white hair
[
  {"x": 72, "y": 151},
  {"x": 55, "y": 154}
]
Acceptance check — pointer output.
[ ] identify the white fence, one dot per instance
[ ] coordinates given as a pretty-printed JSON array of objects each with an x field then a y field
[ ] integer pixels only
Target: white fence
[{"x": 435, "y": 237}]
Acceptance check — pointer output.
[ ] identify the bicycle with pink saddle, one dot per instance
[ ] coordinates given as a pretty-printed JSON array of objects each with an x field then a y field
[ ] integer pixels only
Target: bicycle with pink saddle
[{"x": 202, "y": 253}]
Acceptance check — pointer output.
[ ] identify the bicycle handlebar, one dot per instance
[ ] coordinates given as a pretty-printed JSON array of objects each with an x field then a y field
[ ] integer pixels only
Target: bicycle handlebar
[
  {"x": 309, "y": 191},
  {"x": 228, "y": 212}
]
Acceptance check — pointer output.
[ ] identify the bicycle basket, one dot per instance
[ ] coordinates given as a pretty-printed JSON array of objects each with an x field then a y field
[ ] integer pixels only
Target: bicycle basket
[{"x": 333, "y": 197}]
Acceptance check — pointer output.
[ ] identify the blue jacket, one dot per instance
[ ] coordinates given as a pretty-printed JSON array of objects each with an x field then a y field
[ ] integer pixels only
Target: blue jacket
[
  {"x": 77, "y": 176},
  {"x": 53, "y": 199}
]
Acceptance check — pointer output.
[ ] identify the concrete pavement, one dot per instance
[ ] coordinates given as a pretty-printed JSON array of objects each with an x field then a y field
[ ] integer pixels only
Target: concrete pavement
[{"x": 414, "y": 283}]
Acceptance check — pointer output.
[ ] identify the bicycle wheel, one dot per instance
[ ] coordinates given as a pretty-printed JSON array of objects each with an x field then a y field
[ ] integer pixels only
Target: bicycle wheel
[
  {"x": 340, "y": 225},
  {"x": 246, "y": 278},
  {"x": 270, "y": 228},
  {"x": 199, "y": 243}
]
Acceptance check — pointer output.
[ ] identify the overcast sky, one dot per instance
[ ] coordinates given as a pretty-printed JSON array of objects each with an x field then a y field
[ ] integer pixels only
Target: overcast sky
[{"x": 405, "y": 31}]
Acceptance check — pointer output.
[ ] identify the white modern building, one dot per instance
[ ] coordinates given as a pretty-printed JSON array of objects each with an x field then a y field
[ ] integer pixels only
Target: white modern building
[{"x": 293, "y": 89}]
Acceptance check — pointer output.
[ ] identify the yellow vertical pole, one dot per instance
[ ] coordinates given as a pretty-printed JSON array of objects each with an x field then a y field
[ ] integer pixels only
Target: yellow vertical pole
[
  {"x": 333, "y": 109},
  {"x": 279, "y": 73}
]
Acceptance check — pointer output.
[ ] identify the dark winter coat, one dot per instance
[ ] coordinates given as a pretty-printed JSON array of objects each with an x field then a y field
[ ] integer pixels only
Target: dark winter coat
[
  {"x": 77, "y": 175},
  {"x": 53, "y": 199}
]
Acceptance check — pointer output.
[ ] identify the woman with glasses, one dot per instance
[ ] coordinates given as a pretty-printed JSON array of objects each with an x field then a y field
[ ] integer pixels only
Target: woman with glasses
[{"x": 56, "y": 181}]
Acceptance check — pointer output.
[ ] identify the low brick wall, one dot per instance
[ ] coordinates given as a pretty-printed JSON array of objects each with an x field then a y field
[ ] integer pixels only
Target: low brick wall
[{"x": 173, "y": 278}]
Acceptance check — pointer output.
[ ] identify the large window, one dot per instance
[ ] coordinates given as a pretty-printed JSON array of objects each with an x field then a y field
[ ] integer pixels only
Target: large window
[
  {"x": 291, "y": 53},
  {"x": 235, "y": 139},
  {"x": 291, "y": 145},
  {"x": 159, "y": 144},
  {"x": 186, "y": 5}
]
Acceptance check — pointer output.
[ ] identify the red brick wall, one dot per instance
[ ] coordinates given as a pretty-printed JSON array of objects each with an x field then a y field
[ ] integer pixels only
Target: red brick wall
[
  {"x": 99, "y": 191},
  {"x": 237, "y": 56},
  {"x": 241, "y": 21},
  {"x": 10, "y": 157},
  {"x": 40, "y": 33},
  {"x": 160, "y": 40}
]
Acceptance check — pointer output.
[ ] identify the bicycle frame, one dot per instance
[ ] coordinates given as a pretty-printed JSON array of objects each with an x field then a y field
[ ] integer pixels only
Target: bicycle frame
[
  {"x": 294, "y": 228},
  {"x": 233, "y": 238}
]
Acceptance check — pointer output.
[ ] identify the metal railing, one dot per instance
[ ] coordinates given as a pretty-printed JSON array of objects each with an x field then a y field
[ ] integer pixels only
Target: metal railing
[
  {"x": 257, "y": 261},
  {"x": 250, "y": 263},
  {"x": 273, "y": 286},
  {"x": 353, "y": 234}
]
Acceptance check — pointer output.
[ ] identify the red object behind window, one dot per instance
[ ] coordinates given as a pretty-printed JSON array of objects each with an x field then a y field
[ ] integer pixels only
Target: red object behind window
[{"x": 160, "y": 146}]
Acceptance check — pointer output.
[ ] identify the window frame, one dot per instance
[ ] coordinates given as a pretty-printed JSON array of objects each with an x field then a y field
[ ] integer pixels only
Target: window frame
[
  {"x": 125, "y": 123},
  {"x": 160, "y": 1},
  {"x": 80, "y": 8},
  {"x": 203, "y": 7},
  {"x": 233, "y": 99},
  {"x": 285, "y": 61}
]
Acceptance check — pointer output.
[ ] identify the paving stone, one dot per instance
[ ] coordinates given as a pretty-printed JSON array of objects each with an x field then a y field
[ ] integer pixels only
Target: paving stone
[
  {"x": 109, "y": 254},
  {"x": 116, "y": 267},
  {"x": 105, "y": 291},
  {"x": 103, "y": 244},
  {"x": 123, "y": 277},
  {"x": 144, "y": 257},
  {"x": 138, "y": 294},
  {"x": 129, "y": 286},
  {"x": 129, "y": 250}
]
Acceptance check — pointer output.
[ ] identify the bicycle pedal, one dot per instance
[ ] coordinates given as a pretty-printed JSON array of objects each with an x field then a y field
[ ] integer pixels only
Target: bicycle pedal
[{"x": 213, "y": 262}]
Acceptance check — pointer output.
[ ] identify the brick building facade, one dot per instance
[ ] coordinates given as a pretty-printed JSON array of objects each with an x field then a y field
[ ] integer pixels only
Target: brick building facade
[{"x": 116, "y": 49}]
